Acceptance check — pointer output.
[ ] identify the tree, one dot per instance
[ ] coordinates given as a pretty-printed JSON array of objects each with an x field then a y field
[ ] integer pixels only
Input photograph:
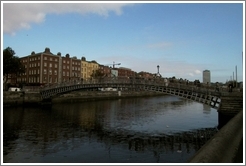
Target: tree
[
  {"x": 97, "y": 74},
  {"x": 11, "y": 64}
]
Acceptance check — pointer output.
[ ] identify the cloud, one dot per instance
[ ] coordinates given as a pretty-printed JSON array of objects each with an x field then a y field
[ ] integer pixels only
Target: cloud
[
  {"x": 18, "y": 16},
  {"x": 191, "y": 74},
  {"x": 197, "y": 71}
]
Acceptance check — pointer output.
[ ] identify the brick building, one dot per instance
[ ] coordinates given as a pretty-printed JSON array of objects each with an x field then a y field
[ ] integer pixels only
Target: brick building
[
  {"x": 125, "y": 72},
  {"x": 105, "y": 70},
  {"x": 48, "y": 68}
]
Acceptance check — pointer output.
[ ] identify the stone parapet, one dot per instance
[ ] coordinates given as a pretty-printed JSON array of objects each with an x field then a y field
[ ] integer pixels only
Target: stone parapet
[{"x": 223, "y": 146}]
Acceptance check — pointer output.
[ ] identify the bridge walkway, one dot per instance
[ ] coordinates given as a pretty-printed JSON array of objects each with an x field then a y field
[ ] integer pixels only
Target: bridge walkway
[{"x": 205, "y": 96}]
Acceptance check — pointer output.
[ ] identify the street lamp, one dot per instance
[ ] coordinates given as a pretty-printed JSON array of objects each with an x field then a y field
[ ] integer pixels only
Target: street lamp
[{"x": 158, "y": 74}]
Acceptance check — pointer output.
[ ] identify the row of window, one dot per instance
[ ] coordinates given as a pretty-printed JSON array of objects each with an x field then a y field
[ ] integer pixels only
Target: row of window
[
  {"x": 73, "y": 68},
  {"x": 33, "y": 64},
  {"x": 34, "y": 59},
  {"x": 72, "y": 75},
  {"x": 45, "y": 65},
  {"x": 73, "y": 62},
  {"x": 51, "y": 59},
  {"x": 56, "y": 59},
  {"x": 50, "y": 65}
]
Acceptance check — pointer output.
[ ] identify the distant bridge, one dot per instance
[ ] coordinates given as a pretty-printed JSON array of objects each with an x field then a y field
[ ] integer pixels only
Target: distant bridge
[
  {"x": 203, "y": 95},
  {"x": 228, "y": 103}
]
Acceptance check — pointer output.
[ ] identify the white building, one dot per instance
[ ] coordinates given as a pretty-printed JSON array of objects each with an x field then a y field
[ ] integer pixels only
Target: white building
[
  {"x": 114, "y": 73},
  {"x": 206, "y": 77}
]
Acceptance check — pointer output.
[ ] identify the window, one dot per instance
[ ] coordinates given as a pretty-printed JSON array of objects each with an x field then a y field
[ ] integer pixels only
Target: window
[
  {"x": 45, "y": 64},
  {"x": 55, "y": 72},
  {"x": 67, "y": 73},
  {"x": 50, "y": 64},
  {"x": 51, "y": 59},
  {"x": 45, "y": 58},
  {"x": 55, "y": 65},
  {"x": 63, "y": 73}
]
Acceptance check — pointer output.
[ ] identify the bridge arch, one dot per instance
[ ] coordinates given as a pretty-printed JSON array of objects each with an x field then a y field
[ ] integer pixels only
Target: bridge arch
[{"x": 200, "y": 95}]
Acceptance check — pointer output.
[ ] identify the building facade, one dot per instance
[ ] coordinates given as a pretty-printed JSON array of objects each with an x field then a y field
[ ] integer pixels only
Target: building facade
[
  {"x": 88, "y": 68},
  {"x": 48, "y": 68},
  {"x": 105, "y": 70},
  {"x": 206, "y": 77},
  {"x": 125, "y": 72}
]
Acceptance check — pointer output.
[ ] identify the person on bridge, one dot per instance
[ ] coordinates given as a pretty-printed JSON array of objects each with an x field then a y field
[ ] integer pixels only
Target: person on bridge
[
  {"x": 217, "y": 87},
  {"x": 230, "y": 87}
]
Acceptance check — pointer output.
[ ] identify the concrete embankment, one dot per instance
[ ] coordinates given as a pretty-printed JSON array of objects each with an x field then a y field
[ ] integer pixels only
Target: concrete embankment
[
  {"x": 224, "y": 146},
  {"x": 19, "y": 98}
]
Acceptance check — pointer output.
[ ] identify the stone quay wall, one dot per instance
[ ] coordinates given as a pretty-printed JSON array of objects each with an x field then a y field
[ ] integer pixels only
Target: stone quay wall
[
  {"x": 225, "y": 146},
  {"x": 32, "y": 98}
]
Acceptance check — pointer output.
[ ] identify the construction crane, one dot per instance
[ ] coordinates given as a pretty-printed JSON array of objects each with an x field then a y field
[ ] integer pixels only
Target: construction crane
[{"x": 114, "y": 64}]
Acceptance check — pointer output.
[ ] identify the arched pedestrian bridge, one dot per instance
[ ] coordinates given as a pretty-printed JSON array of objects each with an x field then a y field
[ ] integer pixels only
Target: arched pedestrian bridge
[{"x": 203, "y": 95}]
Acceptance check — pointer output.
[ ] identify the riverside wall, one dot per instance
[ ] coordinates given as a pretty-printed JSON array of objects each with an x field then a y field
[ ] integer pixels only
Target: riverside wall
[
  {"x": 225, "y": 146},
  {"x": 32, "y": 98}
]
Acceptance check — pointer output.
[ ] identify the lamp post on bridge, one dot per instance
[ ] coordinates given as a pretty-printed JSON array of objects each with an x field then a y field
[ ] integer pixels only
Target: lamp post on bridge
[{"x": 158, "y": 73}]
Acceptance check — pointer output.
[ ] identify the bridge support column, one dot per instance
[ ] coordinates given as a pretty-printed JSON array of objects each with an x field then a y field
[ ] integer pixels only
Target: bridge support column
[{"x": 223, "y": 119}]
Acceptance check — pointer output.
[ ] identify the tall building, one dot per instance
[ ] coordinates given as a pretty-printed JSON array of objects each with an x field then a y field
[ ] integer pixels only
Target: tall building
[
  {"x": 206, "y": 77},
  {"x": 48, "y": 68}
]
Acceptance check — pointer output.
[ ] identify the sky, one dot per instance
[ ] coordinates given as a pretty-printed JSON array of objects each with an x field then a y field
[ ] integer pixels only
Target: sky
[{"x": 184, "y": 39}]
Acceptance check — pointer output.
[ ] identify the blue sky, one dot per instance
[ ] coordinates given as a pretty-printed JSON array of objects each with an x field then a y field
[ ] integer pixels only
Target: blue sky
[{"x": 182, "y": 38}]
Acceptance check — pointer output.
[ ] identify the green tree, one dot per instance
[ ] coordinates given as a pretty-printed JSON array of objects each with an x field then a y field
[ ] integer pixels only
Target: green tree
[
  {"x": 97, "y": 74},
  {"x": 11, "y": 64}
]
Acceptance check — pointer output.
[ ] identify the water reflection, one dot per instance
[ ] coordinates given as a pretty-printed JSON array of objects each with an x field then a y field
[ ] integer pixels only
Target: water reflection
[{"x": 159, "y": 129}]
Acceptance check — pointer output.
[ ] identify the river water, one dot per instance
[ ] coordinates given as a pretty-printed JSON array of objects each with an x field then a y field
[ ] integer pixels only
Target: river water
[{"x": 163, "y": 129}]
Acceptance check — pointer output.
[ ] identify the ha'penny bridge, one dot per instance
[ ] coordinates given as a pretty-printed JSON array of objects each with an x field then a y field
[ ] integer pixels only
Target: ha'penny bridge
[
  {"x": 224, "y": 146},
  {"x": 227, "y": 103}
]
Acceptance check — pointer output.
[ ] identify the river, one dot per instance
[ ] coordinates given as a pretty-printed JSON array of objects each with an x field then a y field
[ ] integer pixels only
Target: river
[{"x": 163, "y": 129}]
